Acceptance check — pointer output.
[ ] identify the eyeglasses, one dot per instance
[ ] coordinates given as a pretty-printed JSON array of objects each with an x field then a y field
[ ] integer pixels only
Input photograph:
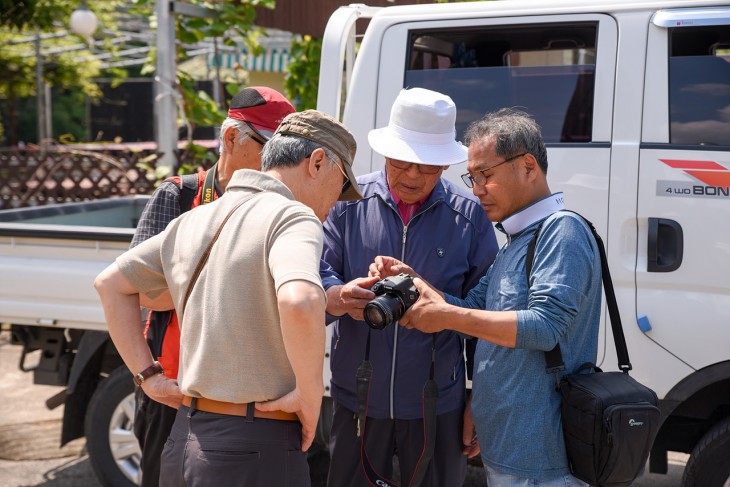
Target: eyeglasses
[
  {"x": 423, "y": 168},
  {"x": 255, "y": 139},
  {"x": 480, "y": 178},
  {"x": 346, "y": 185}
]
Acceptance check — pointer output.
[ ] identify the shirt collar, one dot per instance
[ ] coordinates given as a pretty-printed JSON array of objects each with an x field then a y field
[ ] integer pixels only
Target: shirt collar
[
  {"x": 538, "y": 210},
  {"x": 260, "y": 181}
]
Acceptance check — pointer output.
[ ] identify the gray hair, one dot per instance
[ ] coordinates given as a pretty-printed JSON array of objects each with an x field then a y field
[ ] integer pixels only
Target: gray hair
[
  {"x": 240, "y": 125},
  {"x": 289, "y": 150},
  {"x": 514, "y": 131}
]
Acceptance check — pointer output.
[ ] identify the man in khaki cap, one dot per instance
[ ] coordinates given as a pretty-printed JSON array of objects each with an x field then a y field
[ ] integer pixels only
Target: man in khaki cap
[{"x": 249, "y": 386}]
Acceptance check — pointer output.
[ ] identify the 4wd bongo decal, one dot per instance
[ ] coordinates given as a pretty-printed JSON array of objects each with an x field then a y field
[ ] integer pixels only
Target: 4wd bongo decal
[{"x": 714, "y": 179}]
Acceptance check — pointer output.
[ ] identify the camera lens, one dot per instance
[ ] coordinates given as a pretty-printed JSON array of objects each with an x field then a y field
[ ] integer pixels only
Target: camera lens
[{"x": 382, "y": 311}]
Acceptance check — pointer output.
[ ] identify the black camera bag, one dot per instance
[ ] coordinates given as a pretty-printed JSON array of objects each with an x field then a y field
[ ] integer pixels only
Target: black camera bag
[{"x": 609, "y": 419}]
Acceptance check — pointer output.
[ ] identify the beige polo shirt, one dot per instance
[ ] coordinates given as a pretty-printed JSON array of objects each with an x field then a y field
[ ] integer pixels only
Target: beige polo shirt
[{"x": 231, "y": 343}]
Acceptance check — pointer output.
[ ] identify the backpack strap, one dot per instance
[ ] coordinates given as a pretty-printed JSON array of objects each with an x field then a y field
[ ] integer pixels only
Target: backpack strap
[{"x": 188, "y": 190}]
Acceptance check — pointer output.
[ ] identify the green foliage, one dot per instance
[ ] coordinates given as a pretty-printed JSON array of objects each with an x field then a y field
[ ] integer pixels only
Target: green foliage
[
  {"x": 69, "y": 111},
  {"x": 231, "y": 20},
  {"x": 64, "y": 65},
  {"x": 31, "y": 14},
  {"x": 302, "y": 74}
]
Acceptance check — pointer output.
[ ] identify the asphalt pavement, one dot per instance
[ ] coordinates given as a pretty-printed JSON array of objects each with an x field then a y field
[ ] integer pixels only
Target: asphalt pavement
[{"x": 30, "y": 434}]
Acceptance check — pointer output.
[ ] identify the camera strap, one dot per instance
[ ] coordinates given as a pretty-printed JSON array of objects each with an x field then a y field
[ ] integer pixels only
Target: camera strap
[
  {"x": 204, "y": 258},
  {"x": 430, "y": 398}
]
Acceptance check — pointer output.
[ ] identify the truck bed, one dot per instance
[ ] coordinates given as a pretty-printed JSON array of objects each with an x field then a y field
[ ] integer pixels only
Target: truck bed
[{"x": 49, "y": 257}]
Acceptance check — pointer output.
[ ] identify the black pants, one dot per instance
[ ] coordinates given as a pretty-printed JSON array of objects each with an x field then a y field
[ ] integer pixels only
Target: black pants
[
  {"x": 152, "y": 424},
  {"x": 216, "y": 450},
  {"x": 385, "y": 438}
]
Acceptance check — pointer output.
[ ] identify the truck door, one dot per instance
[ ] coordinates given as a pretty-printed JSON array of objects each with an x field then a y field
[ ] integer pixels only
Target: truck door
[
  {"x": 559, "y": 68},
  {"x": 683, "y": 211}
]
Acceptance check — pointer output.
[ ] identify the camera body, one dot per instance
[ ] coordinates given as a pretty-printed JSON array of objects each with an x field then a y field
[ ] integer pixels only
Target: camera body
[{"x": 394, "y": 295}]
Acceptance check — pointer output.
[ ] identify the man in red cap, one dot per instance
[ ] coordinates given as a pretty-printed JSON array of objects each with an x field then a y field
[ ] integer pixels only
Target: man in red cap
[{"x": 253, "y": 116}]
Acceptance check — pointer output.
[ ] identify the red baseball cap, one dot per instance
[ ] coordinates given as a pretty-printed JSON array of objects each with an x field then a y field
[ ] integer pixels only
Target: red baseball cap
[{"x": 261, "y": 108}]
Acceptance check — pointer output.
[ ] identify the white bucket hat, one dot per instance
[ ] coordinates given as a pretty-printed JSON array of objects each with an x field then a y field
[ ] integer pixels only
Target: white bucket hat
[{"x": 421, "y": 130}]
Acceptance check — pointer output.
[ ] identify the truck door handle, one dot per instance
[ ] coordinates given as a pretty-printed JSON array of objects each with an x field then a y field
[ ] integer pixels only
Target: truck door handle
[{"x": 665, "y": 245}]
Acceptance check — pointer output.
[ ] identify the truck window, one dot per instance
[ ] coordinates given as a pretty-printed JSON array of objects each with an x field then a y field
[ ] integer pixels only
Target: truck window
[
  {"x": 546, "y": 69},
  {"x": 699, "y": 85}
]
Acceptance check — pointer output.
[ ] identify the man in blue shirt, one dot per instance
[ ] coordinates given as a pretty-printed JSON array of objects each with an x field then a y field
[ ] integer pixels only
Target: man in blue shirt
[
  {"x": 518, "y": 318},
  {"x": 409, "y": 210}
]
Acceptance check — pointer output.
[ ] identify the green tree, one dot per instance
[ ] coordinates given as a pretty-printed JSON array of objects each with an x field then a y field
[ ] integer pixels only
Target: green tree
[
  {"x": 65, "y": 59},
  {"x": 230, "y": 22},
  {"x": 73, "y": 72},
  {"x": 302, "y": 74}
]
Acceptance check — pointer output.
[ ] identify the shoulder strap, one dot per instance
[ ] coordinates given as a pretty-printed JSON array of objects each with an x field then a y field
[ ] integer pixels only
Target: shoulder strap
[
  {"x": 188, "y": 190},
  {"x": 554, "y": 358},
  {"x": 206, "y": 254}
]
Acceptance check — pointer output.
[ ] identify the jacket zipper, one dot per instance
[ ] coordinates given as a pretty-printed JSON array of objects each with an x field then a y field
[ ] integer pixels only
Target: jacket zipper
[{"x": 395, "y": 333}]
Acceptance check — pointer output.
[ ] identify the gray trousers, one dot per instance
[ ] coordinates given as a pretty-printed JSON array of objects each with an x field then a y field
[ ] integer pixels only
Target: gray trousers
[
  {"x": 385, "y": 438},
  {"x": 209, "y": 449}
]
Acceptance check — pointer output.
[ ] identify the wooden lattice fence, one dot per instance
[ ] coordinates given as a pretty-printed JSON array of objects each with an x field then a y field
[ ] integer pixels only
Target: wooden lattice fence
[{"x": 61, "y": 175}]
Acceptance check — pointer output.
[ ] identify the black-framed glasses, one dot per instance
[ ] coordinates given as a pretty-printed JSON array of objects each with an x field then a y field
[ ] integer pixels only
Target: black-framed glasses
[
  {"x": 423, "y": 168},
  {"x": 480, "y": 178}
]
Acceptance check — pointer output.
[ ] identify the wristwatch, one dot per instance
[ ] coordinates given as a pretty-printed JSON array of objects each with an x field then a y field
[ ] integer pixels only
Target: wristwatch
[{"x": 154, "y": 369}]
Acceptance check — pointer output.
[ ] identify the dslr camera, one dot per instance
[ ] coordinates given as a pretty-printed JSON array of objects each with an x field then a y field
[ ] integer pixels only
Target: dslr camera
[{"x": 394, "y": 295}]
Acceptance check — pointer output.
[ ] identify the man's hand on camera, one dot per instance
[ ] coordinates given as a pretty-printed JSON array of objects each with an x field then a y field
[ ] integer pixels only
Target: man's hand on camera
[
  {"x": 384, "y": 266},
  {"x": 429, "y": 312},
  {"x": 350, "y": 298}
]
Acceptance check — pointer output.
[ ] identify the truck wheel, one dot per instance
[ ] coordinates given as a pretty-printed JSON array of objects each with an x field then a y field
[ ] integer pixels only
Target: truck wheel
[
  {"x": 708, "y": 465},
  {"x": 113, "y": 449}
]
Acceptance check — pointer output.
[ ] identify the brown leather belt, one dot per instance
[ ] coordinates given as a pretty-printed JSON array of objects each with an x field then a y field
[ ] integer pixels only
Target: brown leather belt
[{"x": 236, "y": 409}]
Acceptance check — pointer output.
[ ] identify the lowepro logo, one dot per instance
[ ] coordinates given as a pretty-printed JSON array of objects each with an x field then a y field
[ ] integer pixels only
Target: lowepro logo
[
  {"x": 380, "y": 483},
  {"x": 633, "y": 422},
  {"x": 713, "y": 176}
]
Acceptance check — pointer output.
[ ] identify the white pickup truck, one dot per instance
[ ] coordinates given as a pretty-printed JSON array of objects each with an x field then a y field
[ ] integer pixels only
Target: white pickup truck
[
  {"x": 49, "y": 257},
  {"x": 634, "y": 101}
]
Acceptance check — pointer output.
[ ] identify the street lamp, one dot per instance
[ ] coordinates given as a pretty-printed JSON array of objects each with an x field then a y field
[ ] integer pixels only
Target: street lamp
[{"x": 83, "y": 20}]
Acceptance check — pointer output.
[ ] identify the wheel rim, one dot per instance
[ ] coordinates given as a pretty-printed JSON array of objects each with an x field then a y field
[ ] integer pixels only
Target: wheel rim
[{"x": 122, "y": 442}]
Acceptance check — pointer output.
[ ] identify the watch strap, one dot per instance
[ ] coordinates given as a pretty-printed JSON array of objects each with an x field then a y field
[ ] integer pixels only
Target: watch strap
[{"x": 154, "y": 369}]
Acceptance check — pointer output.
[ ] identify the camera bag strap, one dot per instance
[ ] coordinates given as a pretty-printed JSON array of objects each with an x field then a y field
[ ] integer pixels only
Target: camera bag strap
[
  {"x": 430, "y": 398},
  {"x": 554, "y": 357},
  {"x": 204, "y": 258}
]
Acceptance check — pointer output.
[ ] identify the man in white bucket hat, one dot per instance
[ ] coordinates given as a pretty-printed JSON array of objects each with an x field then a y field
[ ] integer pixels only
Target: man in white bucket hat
[{"x": 408, "y": 210}]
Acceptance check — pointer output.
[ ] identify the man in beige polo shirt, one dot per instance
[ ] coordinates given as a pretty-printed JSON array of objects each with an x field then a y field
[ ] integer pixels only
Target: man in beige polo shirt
[{"x": 249, "y": 386}]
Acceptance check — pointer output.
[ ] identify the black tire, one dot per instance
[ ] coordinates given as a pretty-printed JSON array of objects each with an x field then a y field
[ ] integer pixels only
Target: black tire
[
  {"x": 114, "y": 457},
  {"x": 709, "y": 464}
]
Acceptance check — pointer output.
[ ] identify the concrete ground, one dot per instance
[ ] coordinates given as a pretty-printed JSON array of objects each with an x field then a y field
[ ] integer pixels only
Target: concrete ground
[{"x": 30, "y": 434}]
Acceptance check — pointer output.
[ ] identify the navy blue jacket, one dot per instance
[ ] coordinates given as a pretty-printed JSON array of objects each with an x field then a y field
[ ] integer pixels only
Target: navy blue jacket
[{"x": 451, "y": 243}]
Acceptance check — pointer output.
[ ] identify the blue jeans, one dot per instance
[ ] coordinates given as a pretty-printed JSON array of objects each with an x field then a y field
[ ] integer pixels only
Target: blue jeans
[{"x": 497, "y": 479}]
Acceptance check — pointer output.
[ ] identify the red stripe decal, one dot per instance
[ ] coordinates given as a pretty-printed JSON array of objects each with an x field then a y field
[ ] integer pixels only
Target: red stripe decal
[
  {"x": 713, "y": 178},
  {"x": 683, "y": 164}
]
